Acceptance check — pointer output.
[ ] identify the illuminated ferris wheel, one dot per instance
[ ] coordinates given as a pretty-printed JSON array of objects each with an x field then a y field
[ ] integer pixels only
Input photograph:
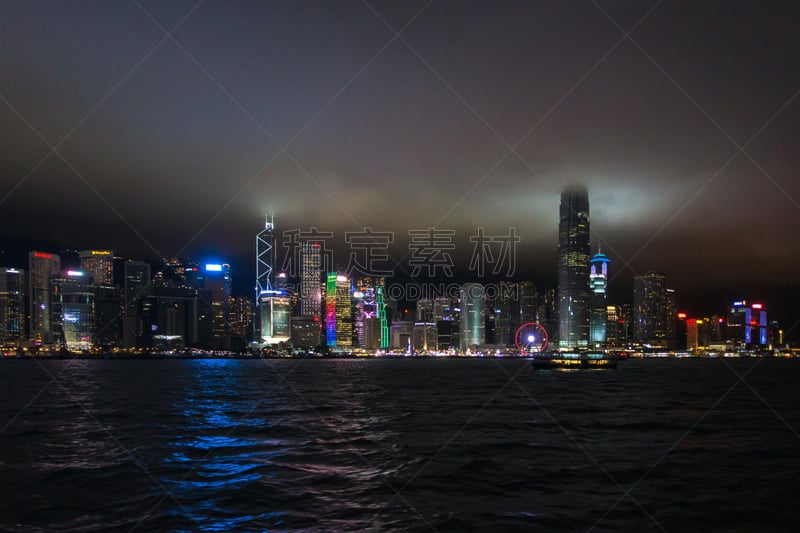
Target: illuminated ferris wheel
[{"x": 531, "y": 338}]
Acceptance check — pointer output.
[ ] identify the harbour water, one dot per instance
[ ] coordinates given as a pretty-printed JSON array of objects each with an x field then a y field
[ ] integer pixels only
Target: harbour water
[{"x": 433, "y": 444}]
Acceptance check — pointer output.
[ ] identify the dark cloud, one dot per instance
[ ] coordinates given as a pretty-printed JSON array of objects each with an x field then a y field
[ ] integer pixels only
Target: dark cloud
[{"x": 183, "y": 153}]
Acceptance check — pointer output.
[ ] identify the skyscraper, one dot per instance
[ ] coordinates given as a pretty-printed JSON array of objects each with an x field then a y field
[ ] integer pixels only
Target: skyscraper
[
  {"x": 653, "y": 317},
  {"x": 265, "y": 257},
  {"x": 473, "y": 326},
  {"x": 12, "y": 306},
  {"x": 40, "y": 266},
  {"x": 573, "y": 268},
  {"x": 598, "y": 282},
  {"x": 218, "y": 281},
  {"x": 72, "y": 309},
  {"x": 338, "y": 311},
  {"x": 310, "y": 277},
  {"x": 136, "y": 289},
  {"x": 99, "y": 264}
]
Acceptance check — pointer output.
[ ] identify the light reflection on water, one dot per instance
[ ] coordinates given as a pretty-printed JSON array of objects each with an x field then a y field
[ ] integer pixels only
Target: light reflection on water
[{"x": 241, "y": 450}]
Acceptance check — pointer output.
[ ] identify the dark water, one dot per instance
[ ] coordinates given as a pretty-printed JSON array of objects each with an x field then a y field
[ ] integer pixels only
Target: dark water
[{"x": 426, "y": 444}]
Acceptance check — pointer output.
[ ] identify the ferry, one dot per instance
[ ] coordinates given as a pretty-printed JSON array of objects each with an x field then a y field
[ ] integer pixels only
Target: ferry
[{"x": 581, "y": 359}]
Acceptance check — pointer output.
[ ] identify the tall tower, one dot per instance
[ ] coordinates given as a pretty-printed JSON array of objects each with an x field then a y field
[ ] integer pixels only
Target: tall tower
[
  {"x": 473, "y": 304},
  {"x": 40, "y": 266},
  {"x": 573, "y": 268},
  {"x": 598, "y": 283},
  {"x": 653, "y": 310},
  {"x": 265, "y": 257},
  {"x": 338, "y": 311},
  {"x": 218, "y": 280},
  {"x": 310, "y": 278},
  {"x": 12, "y": 306}
]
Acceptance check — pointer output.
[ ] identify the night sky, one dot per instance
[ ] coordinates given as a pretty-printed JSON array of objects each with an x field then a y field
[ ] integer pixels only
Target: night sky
[{"x": 685, "y": 131}]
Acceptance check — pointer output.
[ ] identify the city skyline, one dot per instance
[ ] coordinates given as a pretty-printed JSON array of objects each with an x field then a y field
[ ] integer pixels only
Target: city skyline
[{"x": 174, "y": 132}]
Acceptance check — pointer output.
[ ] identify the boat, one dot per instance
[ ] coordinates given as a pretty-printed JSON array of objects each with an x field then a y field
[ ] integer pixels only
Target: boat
[{"x": 576, "y": 359}]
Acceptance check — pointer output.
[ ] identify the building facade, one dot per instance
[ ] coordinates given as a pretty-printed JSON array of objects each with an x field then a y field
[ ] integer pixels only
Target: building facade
[
  {"x": 473, "y": 312},
  {"x": 12, "y": 306},
  {"x": 41, "y": 266},
  {"x": 573, "y": 268},
  {"x": 653, "y": 311}
]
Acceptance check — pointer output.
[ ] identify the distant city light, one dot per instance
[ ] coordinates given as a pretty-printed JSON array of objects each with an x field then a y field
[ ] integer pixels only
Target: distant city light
[
  {"x": 213, "y": 267},
  {"x": 43, "y": 256},
  {"x": 531, "y": 338},
  {"x": 757, "y": 306},
  {"x": 74, "y": 273},
  {"x": 340, "y": 277},
  {"x": 682, "y": 315}
]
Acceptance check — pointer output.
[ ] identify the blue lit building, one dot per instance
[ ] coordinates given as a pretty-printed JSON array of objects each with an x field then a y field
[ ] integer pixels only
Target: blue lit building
[
  {"x": 598, "y": 284},
  {"x": 747, "y": 324},
  {"x": 218, "y": 281}
]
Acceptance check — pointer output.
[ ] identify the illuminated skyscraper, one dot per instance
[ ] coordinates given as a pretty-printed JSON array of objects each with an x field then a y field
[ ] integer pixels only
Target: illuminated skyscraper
[
  {"x": 598, "y": 282},
  {"x": 383, "y": 327},
  {"x": 265, "y": 257},
  {"x": 275, "y": 309},
  {"x": 99, "y": 264},
  {"x": 653, "y": 310},
  {"x": 72, "y": 309},
  {"x": 12, "y": 306},
  {"x": 473, "y": 326},
  {"x": 747, "y": 324},
  {"x": 573, "y": 268},
  {"x": 338, "y": 311},
  {"x": 310, "y": 278},
  {"x": 40, "y": 266},
  {"x": 218, "y": 281}
]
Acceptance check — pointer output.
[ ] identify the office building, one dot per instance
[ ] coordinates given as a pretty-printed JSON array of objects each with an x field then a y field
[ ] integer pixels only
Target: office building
[
  {"x": 99, "y": 264},
  {"x": 573, "y": 268},
  {"x": 12, "y": 306},
  {"x": 41, "y": 266},
  {"x": 218, "y": 281},
  {"x": 653, "y": 311},
  {"x": 310, "y": 279},
  {"x": 472, "y": 327},
  {"x": 72, "y": 309},
  {"x": 338, "y": 311},
  {"x": 598, "y": 307}
]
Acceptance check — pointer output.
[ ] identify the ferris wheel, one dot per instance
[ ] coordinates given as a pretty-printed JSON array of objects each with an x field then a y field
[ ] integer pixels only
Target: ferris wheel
[{"x": 531, "y": 338}]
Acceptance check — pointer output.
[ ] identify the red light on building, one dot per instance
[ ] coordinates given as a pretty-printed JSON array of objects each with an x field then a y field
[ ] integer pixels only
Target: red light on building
[
  {"x": 757, "y": 306},
  {"x": 316, "y": 245},
  {"x": 43, "y": 256}
]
